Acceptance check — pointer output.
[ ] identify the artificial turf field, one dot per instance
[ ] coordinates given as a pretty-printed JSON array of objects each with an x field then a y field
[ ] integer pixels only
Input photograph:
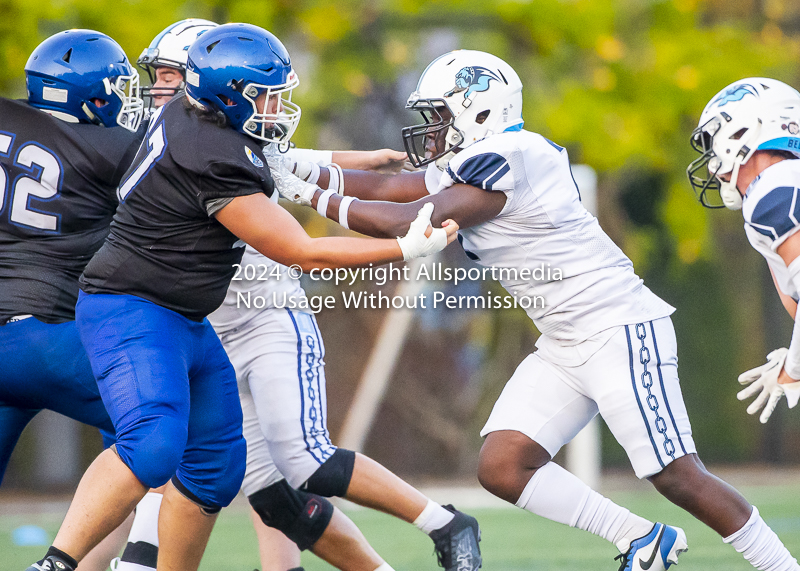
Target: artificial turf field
[{"x": 513, "y": 540}]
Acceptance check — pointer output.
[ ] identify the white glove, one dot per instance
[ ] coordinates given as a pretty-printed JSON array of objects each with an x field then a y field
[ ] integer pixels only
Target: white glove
[
  {"x": 289, "y": 185},
  {"x": 415, "y": 244},
  {"x": 765, "y": 380}
]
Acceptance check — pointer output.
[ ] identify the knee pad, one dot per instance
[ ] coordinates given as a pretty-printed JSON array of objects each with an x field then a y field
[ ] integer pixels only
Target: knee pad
[
  {"x": 152, "y": 448},
  {"x": 302, "y": 517},
  {"x": 333, "y": 477}
]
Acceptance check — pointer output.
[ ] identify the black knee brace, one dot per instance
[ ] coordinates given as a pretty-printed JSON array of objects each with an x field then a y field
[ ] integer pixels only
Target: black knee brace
[
  {"x": 333, "y": 477},
  {"x": 302, "y": 517}
]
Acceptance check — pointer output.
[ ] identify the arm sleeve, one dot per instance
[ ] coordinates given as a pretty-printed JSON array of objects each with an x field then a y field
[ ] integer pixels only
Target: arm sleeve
[
  {"x": 777, "y": 215},
  {"x": 322, "y": 158}
]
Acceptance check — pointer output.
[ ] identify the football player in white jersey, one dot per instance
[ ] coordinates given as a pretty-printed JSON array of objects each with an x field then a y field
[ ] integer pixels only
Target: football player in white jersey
[
  {"x": 278, "y": 357},
  {"x": 748, "y": 136},
  {"x": 607, "y": 342}
]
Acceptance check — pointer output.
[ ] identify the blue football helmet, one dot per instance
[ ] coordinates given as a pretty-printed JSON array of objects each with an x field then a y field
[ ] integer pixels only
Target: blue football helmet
[
  {"x": 232, "y": 66},
  {"x": 84, "y": 75}
]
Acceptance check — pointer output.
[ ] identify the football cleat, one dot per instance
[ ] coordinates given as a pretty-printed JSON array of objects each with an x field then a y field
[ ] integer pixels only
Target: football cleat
[
  {"x": 51, "y": 563},
  {"x": 656, "y": 551},
  {"x": 456, "y": 544}
]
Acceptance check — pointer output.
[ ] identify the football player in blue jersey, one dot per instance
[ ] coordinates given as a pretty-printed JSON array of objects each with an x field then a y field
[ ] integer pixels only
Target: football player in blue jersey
[
  {"x": 285, "y": 409},
  {"x": 607, "y": 344},
  {"x": 197, "y": 191},
  {"x": 748, "y": 139},
  {"x": 60, "y": 156}
]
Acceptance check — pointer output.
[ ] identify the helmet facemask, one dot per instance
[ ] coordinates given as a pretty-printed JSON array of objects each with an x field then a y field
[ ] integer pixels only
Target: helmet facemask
[
  {"x": 482, "y": 94},
  {"x": 277, "y": 127},
  {"x": 130, "y": 106},
  {"x": 722, "y": 151},
  {"x": 417, "y": 137}
]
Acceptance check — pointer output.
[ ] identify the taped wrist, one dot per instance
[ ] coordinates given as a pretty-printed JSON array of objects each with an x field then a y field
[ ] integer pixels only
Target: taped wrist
[
  {"x": 333, "y": 477},
  {"x": 302, "y": 517},
  {"x": 322, "y": 202},
  {"x": 344, "y": 208},
  {"x": 335, "y": 178},
  {"x": 792, "y": 364},
  {"x": 313, "y": 174}
]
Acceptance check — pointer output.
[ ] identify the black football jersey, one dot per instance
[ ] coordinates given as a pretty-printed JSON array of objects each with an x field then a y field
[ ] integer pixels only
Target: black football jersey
[
  {"x": 165, "y": 245},
  {"x": 58, "y": 184}
]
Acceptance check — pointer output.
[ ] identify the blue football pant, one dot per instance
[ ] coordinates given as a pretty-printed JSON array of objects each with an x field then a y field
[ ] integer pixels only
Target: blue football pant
[
  {"x": 44, "y": 366},
  {"x": 171, "y": 393}
]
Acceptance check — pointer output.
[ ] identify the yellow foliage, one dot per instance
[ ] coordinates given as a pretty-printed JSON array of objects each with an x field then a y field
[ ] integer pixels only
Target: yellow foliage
[{"x": 610, "y": 48}]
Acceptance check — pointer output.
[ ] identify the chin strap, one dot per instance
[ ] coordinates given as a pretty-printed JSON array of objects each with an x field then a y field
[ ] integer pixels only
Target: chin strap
[
  {"x": 730, "y": 195},
  {"x": 91, "y": 116}
]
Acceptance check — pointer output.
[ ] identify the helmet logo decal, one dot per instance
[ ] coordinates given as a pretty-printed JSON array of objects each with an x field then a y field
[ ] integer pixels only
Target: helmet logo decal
[
  {"x": 735, "y": 93},
  {"x": 472, "y": 79},
  {"x": 792, "y": 127},
  {"x": 253, "y": 158}
]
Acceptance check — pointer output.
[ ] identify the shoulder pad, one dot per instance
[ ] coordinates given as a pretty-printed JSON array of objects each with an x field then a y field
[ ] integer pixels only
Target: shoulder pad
[
  {"x": 776, "y": 213},
  {"x": 483, "y": 170}
]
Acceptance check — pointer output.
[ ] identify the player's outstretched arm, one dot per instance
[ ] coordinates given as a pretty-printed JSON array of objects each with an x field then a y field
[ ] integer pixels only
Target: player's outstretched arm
[
  {"x": 324, "y": 168},
  {"x": 275, "y": 233},
  {"x": 781, "y": 375},
  {"x": 789, "y": 304},
  {"x": 384, "y": 161},
  {"x": 466, "y": 204}
]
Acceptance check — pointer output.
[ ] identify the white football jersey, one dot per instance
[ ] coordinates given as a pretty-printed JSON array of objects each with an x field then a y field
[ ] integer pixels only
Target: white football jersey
[
  {"x": 259, "y": 283},
  {"x": 771, "y": 211},
  {"x": 544, "y": 227}
]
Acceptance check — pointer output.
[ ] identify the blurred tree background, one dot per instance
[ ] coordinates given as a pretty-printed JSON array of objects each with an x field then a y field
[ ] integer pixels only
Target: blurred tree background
[{"x": 620, "y": 83}]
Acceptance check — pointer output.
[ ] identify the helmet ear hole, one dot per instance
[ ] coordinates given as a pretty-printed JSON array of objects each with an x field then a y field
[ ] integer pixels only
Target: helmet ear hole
[
  {"x": 739, "y": 134},
  {"x": 482, "y": 116}
]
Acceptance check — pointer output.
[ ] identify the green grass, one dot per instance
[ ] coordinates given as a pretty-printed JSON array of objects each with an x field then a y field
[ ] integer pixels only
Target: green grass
[{"x": 513, "y": 540}]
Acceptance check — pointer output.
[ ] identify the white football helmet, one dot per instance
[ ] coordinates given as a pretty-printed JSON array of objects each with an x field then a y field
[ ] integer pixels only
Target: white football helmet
[
  {"x": 747, "y": 116},
  {"x": 482, "y": 93},
  {"x": 170, "y": 49}
]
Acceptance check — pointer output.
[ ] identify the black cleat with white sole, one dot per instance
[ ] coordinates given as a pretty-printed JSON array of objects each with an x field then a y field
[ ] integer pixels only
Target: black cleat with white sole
[
  {"x": 51, "y": 563},
  {"x": 456, "y": 544}
]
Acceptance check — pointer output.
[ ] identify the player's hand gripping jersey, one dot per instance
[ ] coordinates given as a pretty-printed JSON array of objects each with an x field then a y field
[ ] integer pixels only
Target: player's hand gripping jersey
[
  {"x": 165, "y": 244},
  {"x": 544, "y": 227},
  {"x": 58, "y": 185}
]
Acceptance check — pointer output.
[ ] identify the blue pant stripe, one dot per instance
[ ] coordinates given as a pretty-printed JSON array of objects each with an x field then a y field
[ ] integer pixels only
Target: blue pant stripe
[
  {"x": 638, "y": 400},
  {"x": 663, "y": 390},
  {"x": 300, "y": 386},
  {"x": 319, "y": 384}
]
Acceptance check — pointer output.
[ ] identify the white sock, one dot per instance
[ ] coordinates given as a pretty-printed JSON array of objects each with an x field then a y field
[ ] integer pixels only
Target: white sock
[
  {"x": 143, "y": 538},
  {"x": 761, "y": 547},
  {"x": 433, "y": 517},
  {"x": 384, "y": 567},
  {"x": 560, "y": 496}
]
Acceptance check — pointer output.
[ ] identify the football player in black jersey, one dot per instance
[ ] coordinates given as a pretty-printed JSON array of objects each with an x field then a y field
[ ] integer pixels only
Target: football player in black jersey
[
  {"x": 197, "y": 187},
  {"x": 60, "y": 157},
  {"x": 278, "y": 450}
]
